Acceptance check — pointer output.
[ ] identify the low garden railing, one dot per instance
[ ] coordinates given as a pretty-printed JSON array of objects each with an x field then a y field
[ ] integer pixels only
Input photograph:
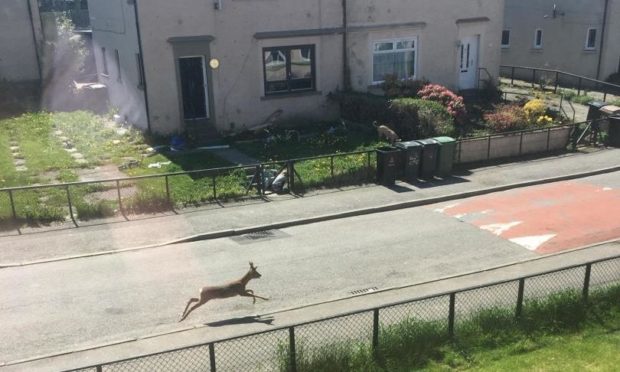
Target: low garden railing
[
  {"x": 294, "y": 347},
  {"x": 119, "y": 197},
  {"x": 556, "y": 79}
]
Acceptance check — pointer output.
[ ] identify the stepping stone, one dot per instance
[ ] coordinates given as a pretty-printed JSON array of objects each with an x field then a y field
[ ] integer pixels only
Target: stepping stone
[
  {"x": 18, "y": 155},
  {"x": 14, "y": 148},
  {"x": 21, "y": 168},
  {"x": 58, "y": 132},
  {"x": 77, "y": 155},
  {"x": 19, "y": 162},
  {"x": 71, "y": 150},
  {"x": 81, "y": 161},
  {"x": 63, "y": 139},
  {"x": 67, "y": 145}
]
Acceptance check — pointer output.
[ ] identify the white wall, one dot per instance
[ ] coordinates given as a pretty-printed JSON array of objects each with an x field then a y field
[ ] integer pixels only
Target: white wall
[
  {"x": 18, "y": 55},
  {"x": 114, "y": 28}
]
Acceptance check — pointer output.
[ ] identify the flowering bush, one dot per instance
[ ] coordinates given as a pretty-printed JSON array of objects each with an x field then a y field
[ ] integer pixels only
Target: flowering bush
[
  {"x": 544, "y": 120},
  {"x": 534, "y": 109},
  {"x": 506, "y": 118},
  {"x": 438, "y": 93}
]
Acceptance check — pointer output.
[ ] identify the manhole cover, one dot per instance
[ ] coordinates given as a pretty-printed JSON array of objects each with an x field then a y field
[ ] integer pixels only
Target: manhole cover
[
  {"x": 364, "y": 291},
  {"x": 259, "y": 236}
]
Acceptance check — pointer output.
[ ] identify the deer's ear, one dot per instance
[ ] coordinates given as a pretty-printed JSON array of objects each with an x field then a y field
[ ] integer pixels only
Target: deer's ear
[{"x": 251, "y": 264}]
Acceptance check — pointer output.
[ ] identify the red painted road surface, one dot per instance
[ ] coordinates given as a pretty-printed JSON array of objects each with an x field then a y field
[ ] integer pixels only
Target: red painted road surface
[{"x": 545, "y": 219}]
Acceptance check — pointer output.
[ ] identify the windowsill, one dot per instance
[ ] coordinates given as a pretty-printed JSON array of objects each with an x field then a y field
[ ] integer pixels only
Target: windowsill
[
  {"x": 107, "y": 76},
  {"x": 536, "y": 50},
  {"x": 589, "y": 51},
  {"x": 291, "y": 95},
  {"x": 505, "y": 46}
]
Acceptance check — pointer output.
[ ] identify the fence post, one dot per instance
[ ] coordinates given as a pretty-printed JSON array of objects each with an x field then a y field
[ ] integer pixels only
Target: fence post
[
  {"x": 70, "y": 206},
  {"x": 120, "y": 201},
  {"x": 451, "y": 315},
  {"x": 12, "y": 206},
  {"x": 375, "y": 331},
  {"x": 586, "y": 282},
  {"x": 557, "y": 81},
  {"x": 519, "y": 310},
  {"x": 512, "y": 75},
  {"x": 368, "y": 174},
  {"x": 214, "y": 187},
  {"x": 98, "y": 369},
  {"x": 489, "y": 148},
  {"x": 331, "y": 167},
  {"x": 292, "y": 356},
  {"x": 548, "y": 138},
  {"x": 168, "y": 191},
  {"x": 579, "y": 87},
  {"x": 533, "y": 78},
  {"x": 291, "y": 175},
  {"x": 212, "y": 357}
]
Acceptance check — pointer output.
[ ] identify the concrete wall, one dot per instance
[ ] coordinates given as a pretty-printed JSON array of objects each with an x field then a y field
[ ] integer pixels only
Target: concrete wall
[
  {"x": 114, "y": 28},
  {"x": 236, "y": 34},
  {"x": 564, "y": 37},
  {"x": 18, "y": 48}
]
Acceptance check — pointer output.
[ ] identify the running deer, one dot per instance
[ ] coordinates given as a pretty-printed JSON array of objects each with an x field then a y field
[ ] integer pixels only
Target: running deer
[{"x": 235, "y": 288}]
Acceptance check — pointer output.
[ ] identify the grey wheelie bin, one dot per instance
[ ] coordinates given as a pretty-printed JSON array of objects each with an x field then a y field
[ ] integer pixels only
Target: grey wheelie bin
[
  {"x": 430, "y": 153},
  {"x": 412, "y": 156},
  {"x": 387, "y": 165},
  {"x": 447, "y": 148}
]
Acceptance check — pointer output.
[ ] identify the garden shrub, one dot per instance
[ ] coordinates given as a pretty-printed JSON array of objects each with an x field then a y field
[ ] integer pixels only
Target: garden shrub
[
  {"x": 362, "y": 107},
  {"x": 395, "y": 87},
  {"x": 614, "y": 78},
  {"x": 506, "y": 118},
  {"x": 417, "y": 118},
  {"x": 438, "y": 93},
  {"x": 100, "y": 209},
  {"x": 534, "y": 109}
]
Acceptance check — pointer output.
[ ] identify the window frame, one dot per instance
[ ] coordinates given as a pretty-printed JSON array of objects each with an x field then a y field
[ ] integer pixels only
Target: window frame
[
  {"x": 117, "y": 60},
  {"x": 140, "y": 66},
  {"x": 104, "y": 59},
  {"x": 587, "y": 46},
  {"x": 286, "y": 50},
  {"x": 502, "y": 40},
  {"x": 394, "y": 41},
  {"x": 538, "y": 45}
]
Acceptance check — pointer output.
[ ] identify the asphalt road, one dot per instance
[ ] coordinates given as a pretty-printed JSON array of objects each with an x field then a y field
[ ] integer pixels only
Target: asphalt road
[{"x": 56, "y": 307}]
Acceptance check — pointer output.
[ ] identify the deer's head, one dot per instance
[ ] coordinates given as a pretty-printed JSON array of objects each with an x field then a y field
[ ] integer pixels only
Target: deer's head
[{"x": 253, "y": 273}]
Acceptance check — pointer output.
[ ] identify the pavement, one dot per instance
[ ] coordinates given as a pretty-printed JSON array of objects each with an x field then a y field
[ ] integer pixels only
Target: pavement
[
  {"x": 221, "y": 220},
  {"x": 35, "y": 248}
]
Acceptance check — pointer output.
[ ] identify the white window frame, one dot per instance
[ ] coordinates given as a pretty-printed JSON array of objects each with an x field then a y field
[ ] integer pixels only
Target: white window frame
[
  {"x": 542, "y": 35},
  {"x": 502, "y": 40},
  {"x": 586, "y": 46},
  {"x": 394, "y": 50}
]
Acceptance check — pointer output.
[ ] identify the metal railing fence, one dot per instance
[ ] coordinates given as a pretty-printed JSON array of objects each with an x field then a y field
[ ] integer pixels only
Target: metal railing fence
[
  {"x": 557, "y": 79},
  {"x": 284, "y": 348}
]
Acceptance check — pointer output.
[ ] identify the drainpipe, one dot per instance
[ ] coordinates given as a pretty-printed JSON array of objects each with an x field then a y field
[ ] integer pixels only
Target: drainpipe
[
  {"x": 600, "y": 52},
  {"x": 345, "y": 57},
  {"x": 36, "y": 43},
  {"x": 146, "y": 96}
]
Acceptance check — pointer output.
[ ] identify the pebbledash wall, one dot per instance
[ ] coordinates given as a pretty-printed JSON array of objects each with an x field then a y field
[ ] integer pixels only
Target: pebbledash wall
[
  {"x": 564, "y": 27},
  {"x": 258, "y": 48}
]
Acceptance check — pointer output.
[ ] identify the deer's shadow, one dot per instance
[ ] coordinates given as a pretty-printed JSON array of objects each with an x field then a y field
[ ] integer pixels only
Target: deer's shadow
[{"x": 244, "y": 320}]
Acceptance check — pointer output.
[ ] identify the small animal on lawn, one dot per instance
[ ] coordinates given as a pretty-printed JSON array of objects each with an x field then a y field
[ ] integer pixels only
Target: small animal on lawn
[
  {"x": 231, "y": 289},
  {"x": 385, "y": 132}
]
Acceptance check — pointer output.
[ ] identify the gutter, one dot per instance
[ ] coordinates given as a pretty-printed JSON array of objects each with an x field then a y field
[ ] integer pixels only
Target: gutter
[
  {"x": 146, "y": 96},
  {"x": 36, "y": 44},
  {"x": 600, "y": 52}
]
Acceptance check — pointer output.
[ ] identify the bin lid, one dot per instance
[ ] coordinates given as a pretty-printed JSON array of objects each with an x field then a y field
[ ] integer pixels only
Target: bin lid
[
  {"x": 408, "y": 144},
  {"x": 610, "y": 109},
  {"x": 443, "y": 140},
  {"x": 597, "y": 104},
  {"x": 428, "y": 142},
  {"x": 387, "y": 149}
]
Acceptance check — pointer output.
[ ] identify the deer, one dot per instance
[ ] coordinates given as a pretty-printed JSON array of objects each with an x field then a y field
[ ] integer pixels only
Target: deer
[
  {"x": 231, "y": 289},
  {"x": 384, "y": 131}
]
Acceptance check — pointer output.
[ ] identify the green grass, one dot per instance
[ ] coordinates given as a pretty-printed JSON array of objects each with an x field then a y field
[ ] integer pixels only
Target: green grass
[{"x": 555, "y": 333}]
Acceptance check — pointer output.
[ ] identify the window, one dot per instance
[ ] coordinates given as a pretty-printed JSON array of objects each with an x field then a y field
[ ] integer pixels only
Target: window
[
  {"x": 117, "y": 58},
  {"x": 141, "y": 82},
  {"x": 104, "y": 58},
  {"x": 289, "y": 69},
  {"x": 538, "y": 38},
  {"x": 591, "y": 39},
  {"x": 394, "y": 57},
  {"x": 505, "y": 38}
]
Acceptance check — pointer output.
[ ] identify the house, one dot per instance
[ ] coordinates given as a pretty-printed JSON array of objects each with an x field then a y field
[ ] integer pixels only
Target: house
[
  {"x": 575, "y": 36},
  {"x": 225, "y": 65},
  {"x": 20, "y": 41}
]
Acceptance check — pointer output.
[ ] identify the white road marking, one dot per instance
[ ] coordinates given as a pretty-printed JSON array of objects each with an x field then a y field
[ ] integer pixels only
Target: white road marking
[
  {"x": 442, "y": 210},
  {"x": 533, "y": 242},
  {"x": 500, "y": 228}
]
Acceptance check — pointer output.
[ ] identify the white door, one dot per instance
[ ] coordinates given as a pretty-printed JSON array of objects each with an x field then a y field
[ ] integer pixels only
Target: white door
[{"x": 467, "y": 62}]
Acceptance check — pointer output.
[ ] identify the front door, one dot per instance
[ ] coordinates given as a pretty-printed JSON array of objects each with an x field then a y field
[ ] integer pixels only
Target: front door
[
  {"x": 467, "y": 62},
  {"x": 194, "y": 88}
]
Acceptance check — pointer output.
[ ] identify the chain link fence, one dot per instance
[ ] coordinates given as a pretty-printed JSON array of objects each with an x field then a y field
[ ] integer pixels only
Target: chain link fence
[{"x": 435, "y": 318}]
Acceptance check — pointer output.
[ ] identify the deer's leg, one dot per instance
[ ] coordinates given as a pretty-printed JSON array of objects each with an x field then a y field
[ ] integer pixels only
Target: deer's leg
[
  {"x": 200, "y": 303},
  {"x": 191, "y": 300},
  {"x": 250, "y": 293}
]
